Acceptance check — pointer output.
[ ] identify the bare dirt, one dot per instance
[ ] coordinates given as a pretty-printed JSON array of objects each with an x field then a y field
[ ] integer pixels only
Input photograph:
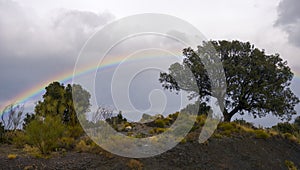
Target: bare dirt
[{"x": 238, "y": 152}]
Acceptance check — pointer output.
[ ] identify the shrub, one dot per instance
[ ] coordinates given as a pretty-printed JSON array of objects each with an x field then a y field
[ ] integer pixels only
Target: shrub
[
  {"x": 243, "y": 123},
  {"x": 135, "y": 164},
  {"x": 160, "y": 123},
  {"x": 285, "y": 128},
  {"x": 11, "y": 156},
  {"x": 228, "y": 128},
  {"x": 20, "y": 139},
  {"x": 74, "y": 131},
  {"x": 261, "y": 134},
  {"x": 81, "y": 146},
  {"x": 290, "y": 137},
  {"x": 45, "y": 134},
  {"x": 157, "y": 130},
  {"x": 67, "y": 143},
  {"x": 290, "y": 165}
]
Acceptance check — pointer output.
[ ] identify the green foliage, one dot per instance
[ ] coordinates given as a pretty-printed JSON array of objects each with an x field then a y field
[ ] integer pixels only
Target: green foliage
[
  {"x": 2, "y": 132},
  {"x": 257, "y": 83},
  {"x": 67, "y": 143},
  {"x": 28, "y": 118},
  {"x": 20, "y": 138},
  {"x": 157, "y": 130},
  {"x": 45, "y": 134},
  {"x": 297, "y": 123},
  {"x": 290, "y": 165},
  {"x": 74, "y": 131},
  {"x": 64, "y": 102},
  {"x": 242, "y": 122},
  {"x": 261, "y": 134},
  {"x": 285, "y": 128},
  {"x": 160, "y": 123}
]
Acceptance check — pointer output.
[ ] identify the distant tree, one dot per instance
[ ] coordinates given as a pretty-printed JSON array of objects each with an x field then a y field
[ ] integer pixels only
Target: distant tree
[
  {"x": 28, "y": 118},
  {"x": 11, "y": 116},
  {"x": 59, "y": 101},
  {"x": 257, "y": 83}
]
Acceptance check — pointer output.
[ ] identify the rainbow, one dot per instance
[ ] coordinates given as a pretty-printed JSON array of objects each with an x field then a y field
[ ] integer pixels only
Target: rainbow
[{"x": 68, "y": 76}]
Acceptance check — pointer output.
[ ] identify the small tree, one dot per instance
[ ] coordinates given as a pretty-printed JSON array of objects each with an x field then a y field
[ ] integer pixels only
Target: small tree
[
  {"x": 65, "y": 102},
  {"x": 45, "y": 133}
]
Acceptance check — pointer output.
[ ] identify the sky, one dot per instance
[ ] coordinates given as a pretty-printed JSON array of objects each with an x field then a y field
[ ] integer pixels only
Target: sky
[{"x": 41, "y": 40}]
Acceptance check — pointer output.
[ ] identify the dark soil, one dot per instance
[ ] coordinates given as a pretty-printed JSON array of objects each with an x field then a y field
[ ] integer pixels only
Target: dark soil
[{"x": 225, "y": 153}]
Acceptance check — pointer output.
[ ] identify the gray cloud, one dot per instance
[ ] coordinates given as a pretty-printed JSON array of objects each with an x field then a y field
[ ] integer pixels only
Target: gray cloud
[
  {"x": 33, "y": 49},
  {"x": 289, "y": 19}
]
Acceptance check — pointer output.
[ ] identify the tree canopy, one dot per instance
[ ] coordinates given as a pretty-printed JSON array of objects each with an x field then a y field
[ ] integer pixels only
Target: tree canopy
[
  {"x": 58, "y": 101},
  {"x": 257, "y": 83}
]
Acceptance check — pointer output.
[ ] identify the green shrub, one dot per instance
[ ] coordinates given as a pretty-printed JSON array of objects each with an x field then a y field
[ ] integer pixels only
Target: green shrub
[
  {"x": 290, "y": 165},
  {"x": 45, "y": 134},
  {"x": 226, "y": 126},
  {"x": 285, "y": 128},
  {"x": 261, "y": 134},
  {"x": 20, "y": 139},
  {"x": 74, "y": 131},
  {"x": 243, "y": 123},
  {"x": 160, "y": 123},
  {"x": 67, "y": 143},
  {"x": 157, "y": 130}
]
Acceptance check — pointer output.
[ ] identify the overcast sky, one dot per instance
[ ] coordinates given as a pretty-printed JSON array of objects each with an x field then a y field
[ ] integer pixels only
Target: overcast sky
[{"x": 41, "y": 39}]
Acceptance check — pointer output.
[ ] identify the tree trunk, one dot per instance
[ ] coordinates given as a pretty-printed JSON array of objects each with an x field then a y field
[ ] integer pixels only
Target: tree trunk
[{"x": 227, "y": 117}]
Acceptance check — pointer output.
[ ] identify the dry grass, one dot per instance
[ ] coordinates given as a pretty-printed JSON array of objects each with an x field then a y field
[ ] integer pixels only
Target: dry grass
[
  {"x": 135, "y": 164},
  {"x": 11, "y": 156}
]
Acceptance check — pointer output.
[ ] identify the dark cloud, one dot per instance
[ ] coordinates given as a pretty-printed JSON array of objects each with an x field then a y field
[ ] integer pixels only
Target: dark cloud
[
  {"x": 34, "y": 49},
  {"x": 289, "y": 19}
]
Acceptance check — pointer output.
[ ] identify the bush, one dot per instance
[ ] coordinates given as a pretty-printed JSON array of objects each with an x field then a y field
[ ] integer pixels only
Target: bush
[
  {"x": 67, "y": 143},
  {"x": 157, "y": 130},
  {"x": 160, "y": 123},
  {"x": 285, "y": 128},
  {"x": 81, "y": 146},
  {"x": 45, "y": 134},
  {"x": 20, "y": 139},
  {"x": 261, "y": 134},
  {"x": 135, "y": 164},
  {"x": 290, "y": 165},
  {"x": 75, "y": 131}
]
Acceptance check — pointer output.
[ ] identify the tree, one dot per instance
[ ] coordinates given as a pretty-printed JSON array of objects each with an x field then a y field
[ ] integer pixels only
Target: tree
[
  {"x": 297, "y": 122},
  {"x": 59, "y": 101},
  {"x": 257, "y": 83},
  {"x": 2, "y": 131},
  {"x": 102, "y": 113},
  {"x": 11, "y": 116},
  {"x": 28, "y": 118}
]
